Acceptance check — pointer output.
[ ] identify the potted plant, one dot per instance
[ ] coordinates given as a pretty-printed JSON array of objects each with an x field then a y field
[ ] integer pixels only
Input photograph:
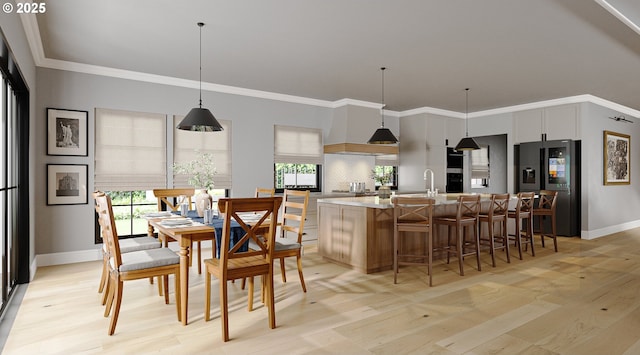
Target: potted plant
[
  {"x": 201, "y": 173},
  {"x": 382, "y": 179}
]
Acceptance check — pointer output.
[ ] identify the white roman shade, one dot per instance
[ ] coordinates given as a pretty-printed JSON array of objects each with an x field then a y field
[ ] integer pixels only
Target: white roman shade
[
  {"x": 297, "y": 145},
  {"x": 480, "y": 163},
  {"x": 130, "y": 150},
  {"x": 187, "y": 145},
  {"x": 387, "y": 160}
]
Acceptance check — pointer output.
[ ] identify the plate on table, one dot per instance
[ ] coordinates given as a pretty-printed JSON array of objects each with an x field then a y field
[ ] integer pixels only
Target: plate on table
[
  {"x": 180, "y": 221},
  {"x": 158, "y": 214}
]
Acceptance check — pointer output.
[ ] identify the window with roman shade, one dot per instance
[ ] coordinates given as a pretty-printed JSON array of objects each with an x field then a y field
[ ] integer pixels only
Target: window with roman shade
[
  {"x": 187, "y": 145},
  {"x": 298, "y": 145},
  {"x": 130, "y": 150}
]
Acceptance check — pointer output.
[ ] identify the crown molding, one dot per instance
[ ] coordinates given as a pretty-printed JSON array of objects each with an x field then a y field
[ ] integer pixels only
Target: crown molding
[{"x": 619, "y": 15}]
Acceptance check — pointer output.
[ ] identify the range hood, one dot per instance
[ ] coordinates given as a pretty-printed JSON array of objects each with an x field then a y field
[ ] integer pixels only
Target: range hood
[
  {"x": 351, "y": 127},
  {"x": 360, "y": 149}
]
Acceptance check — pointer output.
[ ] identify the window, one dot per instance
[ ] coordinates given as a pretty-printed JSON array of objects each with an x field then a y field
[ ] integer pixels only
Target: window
[
  {"x": 187, "y": 145},
  {"x": 480, "y": 167},
  {"x": 297, "y": 177},
  {"x": 298, "y": 157},
  {"x": 387, "y": 164}
]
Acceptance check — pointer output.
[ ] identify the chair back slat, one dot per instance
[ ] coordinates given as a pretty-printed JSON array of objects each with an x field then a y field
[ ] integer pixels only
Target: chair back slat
[
  {"x": 413, "y": 210},
  {"x": 294, "y": 213},
  {"x": 235, "y": 209},
  {"x": 170, "y": 197},
  {"x": 468, "y": 206},
  {"x": 265, "y": 192},
  {"x": 499, "y": 205},
  {"x": 548, "y": 200},
  {"x": 525, "y": 202},
  {"x": 109, "y": 231}
]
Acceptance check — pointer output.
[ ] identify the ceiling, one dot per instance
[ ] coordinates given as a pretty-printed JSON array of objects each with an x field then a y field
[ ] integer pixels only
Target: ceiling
[{"x": 507, "y": 52}]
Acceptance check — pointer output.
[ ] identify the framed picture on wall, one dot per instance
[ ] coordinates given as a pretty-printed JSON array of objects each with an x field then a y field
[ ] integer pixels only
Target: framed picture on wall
[
  {"x": 67, "y": 184},
  {"x": 67, "y": 132},
  {"x": 617, "y": 150}
]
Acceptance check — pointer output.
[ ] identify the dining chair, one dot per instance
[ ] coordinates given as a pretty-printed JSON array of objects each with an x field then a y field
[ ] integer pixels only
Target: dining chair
[
  {"x": 412, "y": 215},
  {"x": 126, "y": 246},
  {"x": 547, "y": 208},
  {"x": 294, "y": 213},
  {"x": 170, "y": 199},
  {"x": 234, "y": 263},
  {"x": 133, "y": 265},
  {"x": 522, "y": 216},
  {"x": 496, "y": 213},
  {"x": 265, "y": 192},
  {"x": 466, "y": 218}
]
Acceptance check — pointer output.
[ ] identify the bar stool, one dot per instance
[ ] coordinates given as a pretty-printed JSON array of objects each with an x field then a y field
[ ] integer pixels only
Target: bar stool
[
  {"x": 547, "y": 208},
  {"x": 412, "y": 214},
  {"x": 497, "y": 213},
  {"x": 523, "y": 217},
  {"x": 466, "y": 217}
]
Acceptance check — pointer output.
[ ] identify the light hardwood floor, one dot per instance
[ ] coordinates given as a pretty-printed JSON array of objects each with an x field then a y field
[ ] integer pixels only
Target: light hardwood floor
[{"x": 581, "y": 300}]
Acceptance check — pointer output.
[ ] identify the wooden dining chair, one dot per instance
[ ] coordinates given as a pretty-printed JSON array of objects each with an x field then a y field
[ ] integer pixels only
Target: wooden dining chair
[
  {"x": 234, "y": 263},
  {"x": 522, "y": 216},
  {"x": 133, "y": 265},
  {"x": 126, "y": 246},
  {"x": 547, "y": 208},
  {"x": 265, "y": 192},
  {"x": 496, "y": 213},
  {"x": 169, "y": 199},
  {"x": 412, "y": 215},
  {"x": 466, "y": 218},
  {"x": 294, "y": 213}
]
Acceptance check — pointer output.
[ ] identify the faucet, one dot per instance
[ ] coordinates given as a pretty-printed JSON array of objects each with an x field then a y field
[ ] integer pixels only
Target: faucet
[{"x": 425, "y": 178}]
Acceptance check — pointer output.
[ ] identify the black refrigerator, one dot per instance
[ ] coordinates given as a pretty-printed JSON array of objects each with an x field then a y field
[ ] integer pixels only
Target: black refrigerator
[{"x": 553, "y": 165}]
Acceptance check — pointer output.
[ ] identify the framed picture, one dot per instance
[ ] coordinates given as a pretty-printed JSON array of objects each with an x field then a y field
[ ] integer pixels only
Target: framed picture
[
  {"x": 67, "y": 184},
  {"x": 67, "y": 132},
  {"x": 617, "y": 148}
]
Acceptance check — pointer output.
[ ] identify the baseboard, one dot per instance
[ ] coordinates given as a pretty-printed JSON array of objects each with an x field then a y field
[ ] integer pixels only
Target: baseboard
[
  {"x": 67, "y": 257},
  {"x": 597, "y": 233}
]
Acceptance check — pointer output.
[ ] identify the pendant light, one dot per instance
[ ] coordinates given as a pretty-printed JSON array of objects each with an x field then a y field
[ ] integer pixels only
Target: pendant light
[
  {"x": 383, "y": 135},
  {"x": 200, "y": 119},
  {"x": 467, "y": 143}
]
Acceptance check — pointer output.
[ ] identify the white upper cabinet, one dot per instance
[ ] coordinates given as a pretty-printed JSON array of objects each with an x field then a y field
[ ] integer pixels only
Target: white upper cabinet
[{"x": 557, "y": 122}]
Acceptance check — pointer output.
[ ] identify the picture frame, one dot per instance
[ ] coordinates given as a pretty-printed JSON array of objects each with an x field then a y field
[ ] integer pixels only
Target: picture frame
[
  {"x": 67, "y": 184},
  {"x": 617, "y": 159},
  {"x": 67, "y": 132}
]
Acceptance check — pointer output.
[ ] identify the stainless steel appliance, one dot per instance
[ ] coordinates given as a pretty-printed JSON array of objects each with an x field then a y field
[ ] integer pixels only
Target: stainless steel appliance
[
  {"x": 553, "y": 165},
  {"x": 455, "y": 161}
]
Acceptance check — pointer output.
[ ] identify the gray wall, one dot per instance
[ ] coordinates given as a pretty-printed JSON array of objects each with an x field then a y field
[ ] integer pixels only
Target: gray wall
[
  {"x": 498, "y": 165},
  {"x": 63, "y": 229}
]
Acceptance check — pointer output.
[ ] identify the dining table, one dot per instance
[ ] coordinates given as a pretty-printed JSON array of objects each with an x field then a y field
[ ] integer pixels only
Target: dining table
[{"x": 185, "y": 234}]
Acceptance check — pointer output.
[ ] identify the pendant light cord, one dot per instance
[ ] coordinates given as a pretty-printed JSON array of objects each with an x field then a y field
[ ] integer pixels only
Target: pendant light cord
[
  {"x": 200, "y": 24},
  {"x": 466, "y": 115},
  {"x": 382, "y": 108}
]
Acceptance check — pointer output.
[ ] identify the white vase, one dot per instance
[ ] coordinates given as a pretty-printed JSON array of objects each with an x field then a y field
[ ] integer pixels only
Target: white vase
[
  {"x": 384, "y": 192},
  {"x": 203, "y": 202}
]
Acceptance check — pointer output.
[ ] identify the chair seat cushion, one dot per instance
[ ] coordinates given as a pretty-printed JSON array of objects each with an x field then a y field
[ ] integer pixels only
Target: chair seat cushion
[
  {"x": 286, "y": 244},
  {"x": 145, "y": 259},
  {"x": 138, "y": 243}
]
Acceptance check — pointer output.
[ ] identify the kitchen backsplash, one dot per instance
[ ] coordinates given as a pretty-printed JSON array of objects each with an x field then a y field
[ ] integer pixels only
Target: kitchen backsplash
[{"x": 341, "y": 169}]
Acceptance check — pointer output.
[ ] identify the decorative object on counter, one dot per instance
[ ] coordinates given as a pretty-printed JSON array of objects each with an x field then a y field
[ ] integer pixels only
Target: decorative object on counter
[
  {"x": 617, "y": 150},
  {"x": 201, "y": 171},
  {"x": 467, "y": 143},
  {"x": 200, "y": 119},
  {"x": 384, "y": 191},
  {"x": 383, "y": 135}
]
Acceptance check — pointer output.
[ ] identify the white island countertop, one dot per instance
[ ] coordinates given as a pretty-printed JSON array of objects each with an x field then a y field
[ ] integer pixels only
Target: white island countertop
[{"x": 376, "y": 202}]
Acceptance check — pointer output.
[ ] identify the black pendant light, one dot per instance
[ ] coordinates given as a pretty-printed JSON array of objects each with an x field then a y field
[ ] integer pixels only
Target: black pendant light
[
  {"x": 467, "y": 143},
  {"x": 200, "y": 119},
  {"x": 383, "y": 135}
]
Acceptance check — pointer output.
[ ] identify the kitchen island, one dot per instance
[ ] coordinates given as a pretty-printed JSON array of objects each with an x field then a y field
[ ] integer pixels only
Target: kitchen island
[{"x": 357, "y": 232}]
